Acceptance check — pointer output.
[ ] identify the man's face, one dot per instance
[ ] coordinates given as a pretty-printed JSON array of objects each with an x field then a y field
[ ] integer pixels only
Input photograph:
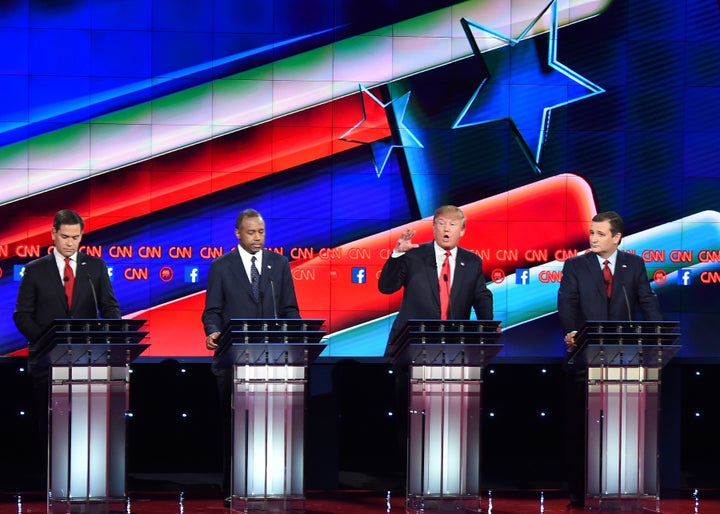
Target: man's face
[
  {"x": 251, "y": 234},
  {"x": 448, "y": 231},
  {"x": 602, "y": 242},
  {"x": 67, "y": 239}
]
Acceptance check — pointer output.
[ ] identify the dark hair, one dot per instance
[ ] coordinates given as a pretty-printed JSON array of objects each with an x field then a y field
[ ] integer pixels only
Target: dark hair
[
  {"x": 247, "y": 213},
  {"x": 68, "y": 217},
  {"x": 617, "y": 225}
]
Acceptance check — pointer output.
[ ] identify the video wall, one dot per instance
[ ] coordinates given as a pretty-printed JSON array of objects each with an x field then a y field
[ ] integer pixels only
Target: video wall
[{"x": 346, "y": 122}]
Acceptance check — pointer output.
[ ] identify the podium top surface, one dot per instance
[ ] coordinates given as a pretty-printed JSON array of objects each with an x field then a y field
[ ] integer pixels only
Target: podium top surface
[
  {"x": 270, "y": 341},
  {"x": 273, "y": 324},
  {"x": 628, "y": 332},
  {"x": 95, "y": 324},
  {"x": 626, "y": 343},
  {"x": 446, "y": 342},
  {"x": 101, "y": 341}
]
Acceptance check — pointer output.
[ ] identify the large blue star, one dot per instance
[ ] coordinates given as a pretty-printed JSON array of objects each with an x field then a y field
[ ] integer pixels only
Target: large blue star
[
  {"x": 402, "y": 136},
  {"x": 516, "y": 88}
]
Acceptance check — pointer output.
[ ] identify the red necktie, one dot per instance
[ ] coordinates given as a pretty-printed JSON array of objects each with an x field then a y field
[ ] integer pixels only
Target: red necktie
[
  {"x": 444, "y": 283},
  {"x": 69, "y": 279},
  {"x": 607, "y": 276}
]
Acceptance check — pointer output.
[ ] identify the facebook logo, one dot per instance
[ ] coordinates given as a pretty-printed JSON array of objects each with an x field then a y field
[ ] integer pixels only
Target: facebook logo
[
  {"x": 359, "y": 275},
  {"x": 522, "y": 276},
  {"x": 18, "y": 272},
  {"x": 191, "y": 274},
  {"x": 110, "y": 273},
  {"x": 684, "y": 277}
]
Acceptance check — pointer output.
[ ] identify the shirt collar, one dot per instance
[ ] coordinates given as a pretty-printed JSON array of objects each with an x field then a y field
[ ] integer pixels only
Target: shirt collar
[
  {"x": 61, "y": 258},
  {"x": 246, "y": 256},
  {"x": 441, "y": 251},
  {"x": 611, "y": 260}
]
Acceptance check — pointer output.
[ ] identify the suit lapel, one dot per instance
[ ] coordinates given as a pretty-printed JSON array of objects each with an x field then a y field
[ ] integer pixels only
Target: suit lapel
[
  {"x": 432, "y": 273},
  {"x": 53, "y": 275},
  {"x": 591, "y": 260},
  {"x": 238, "y": 270},
  {"x": 458, "y": 278},
  {"x": 622, "y": 271}
]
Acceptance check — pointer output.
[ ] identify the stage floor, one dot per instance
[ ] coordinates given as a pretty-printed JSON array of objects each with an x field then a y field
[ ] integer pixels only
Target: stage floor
[{"x": 357, "y": 502}]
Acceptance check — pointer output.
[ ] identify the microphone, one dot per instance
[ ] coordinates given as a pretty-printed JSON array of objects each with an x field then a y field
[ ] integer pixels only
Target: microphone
[
  {"x": 272, "y": 288},
  {"x": 65, "y": 279},
  {"x": 447, "y": 285},
  {"x": 627, "y": 303}
]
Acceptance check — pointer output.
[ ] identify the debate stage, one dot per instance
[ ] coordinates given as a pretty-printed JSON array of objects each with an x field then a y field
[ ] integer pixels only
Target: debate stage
[{"x": 361, "y": 502}]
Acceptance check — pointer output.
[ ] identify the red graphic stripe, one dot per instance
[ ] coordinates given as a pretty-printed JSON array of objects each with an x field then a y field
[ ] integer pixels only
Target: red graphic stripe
[{"x": 196, "y": 171}]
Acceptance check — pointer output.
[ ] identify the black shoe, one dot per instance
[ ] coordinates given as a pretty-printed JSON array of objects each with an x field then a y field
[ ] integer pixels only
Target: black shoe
[{"x": 227, "y": 502}]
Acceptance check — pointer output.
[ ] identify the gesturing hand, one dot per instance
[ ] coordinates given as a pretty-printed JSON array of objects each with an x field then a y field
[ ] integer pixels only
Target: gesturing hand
[{"x": 405, "y": 242}]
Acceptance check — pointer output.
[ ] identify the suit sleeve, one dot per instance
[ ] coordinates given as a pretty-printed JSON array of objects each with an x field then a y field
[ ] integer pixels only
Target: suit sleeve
[
  {"x": 392, "y": 275},
  {"x": 647, "y": 299},
  {"x": 288, "y": 304},
  {"x": 568, "y": 299},
  {"x": 109, "y": 306},
  {"x": 25, "y": 307},
  {"x": 212, "y": 317},
  {"x": 483, "y": 303}
]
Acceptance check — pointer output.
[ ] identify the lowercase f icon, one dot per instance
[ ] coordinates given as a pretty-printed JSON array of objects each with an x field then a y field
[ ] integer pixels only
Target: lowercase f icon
[
  {"x": 684, "y": 277},
  {"x": 191, "y": 274},
  {"x": 359, "y": 275},
  {"x": 522, "y": 276}
]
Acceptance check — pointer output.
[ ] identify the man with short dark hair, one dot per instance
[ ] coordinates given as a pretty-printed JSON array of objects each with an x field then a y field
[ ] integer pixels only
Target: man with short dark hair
[
  {"x": 247, "y": 282},
  {"x": 602, "y": 284},
  {"x": 63, "y": 284}
]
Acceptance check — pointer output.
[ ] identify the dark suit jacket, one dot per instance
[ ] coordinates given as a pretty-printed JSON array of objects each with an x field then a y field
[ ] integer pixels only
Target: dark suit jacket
[
  {"x": 229, "y": 294},
  {"x": 416, "y": 271},
  {"x": 582, "y": 294},
  {"x": 41, "y": 296}
]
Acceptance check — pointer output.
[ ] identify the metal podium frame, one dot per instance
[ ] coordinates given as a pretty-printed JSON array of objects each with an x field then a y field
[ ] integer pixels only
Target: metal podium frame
[
  {"x": 445, "y": 361},
  {"x": 269, "y": 360},
  {"x": 87, "y": 361},
  {"x": 624, "y": 360}
]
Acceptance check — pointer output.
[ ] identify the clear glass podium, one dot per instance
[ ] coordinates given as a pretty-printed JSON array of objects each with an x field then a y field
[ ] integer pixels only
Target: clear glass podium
[
  {"x": 87, "y": 361},
  {"x": 269, "y": 360},
  {"x": 444, "y": 361},
  {"x": 624, "y": 361}
]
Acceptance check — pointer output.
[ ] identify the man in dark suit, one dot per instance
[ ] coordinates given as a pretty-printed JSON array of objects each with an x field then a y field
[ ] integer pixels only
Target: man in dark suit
[
  {"x": 425, "y": 271},
  {"x": 43, "y": 296},
  {"x": 236, "y": 290},
  {"x": 602, "y": 284},
  {"x": 419, "y": 269}
]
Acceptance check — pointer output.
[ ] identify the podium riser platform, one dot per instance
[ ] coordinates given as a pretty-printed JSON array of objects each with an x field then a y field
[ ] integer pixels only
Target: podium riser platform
[
  {"x": 268, "y": 435},
  {"x": 88, "y": 407},
  {"x": 444, "y": 434},
  {"x": 622, "y": 437}
]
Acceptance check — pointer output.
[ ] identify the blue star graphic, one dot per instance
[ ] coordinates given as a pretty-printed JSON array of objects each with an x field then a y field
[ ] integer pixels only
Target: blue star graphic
[
  {"x": 402, "y": 136},
  {"x": 517, "y": 89}
]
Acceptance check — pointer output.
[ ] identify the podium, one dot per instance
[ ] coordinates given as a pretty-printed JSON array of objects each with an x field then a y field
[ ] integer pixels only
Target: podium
[
  {"x": 623, "y": 360},
  {"x": 269, "y": 360},
  {"x": 87, "y": 361},
  {"x": 444, "y": 361}
]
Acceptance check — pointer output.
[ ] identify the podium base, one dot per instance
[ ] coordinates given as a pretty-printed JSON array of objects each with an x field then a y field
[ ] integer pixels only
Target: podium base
[
  {"x": 631, "y": 503},
  {"x": 288, "y": 504},
  {"x": 429, "y": 504},
  {"x": 89, "y": 506}
]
